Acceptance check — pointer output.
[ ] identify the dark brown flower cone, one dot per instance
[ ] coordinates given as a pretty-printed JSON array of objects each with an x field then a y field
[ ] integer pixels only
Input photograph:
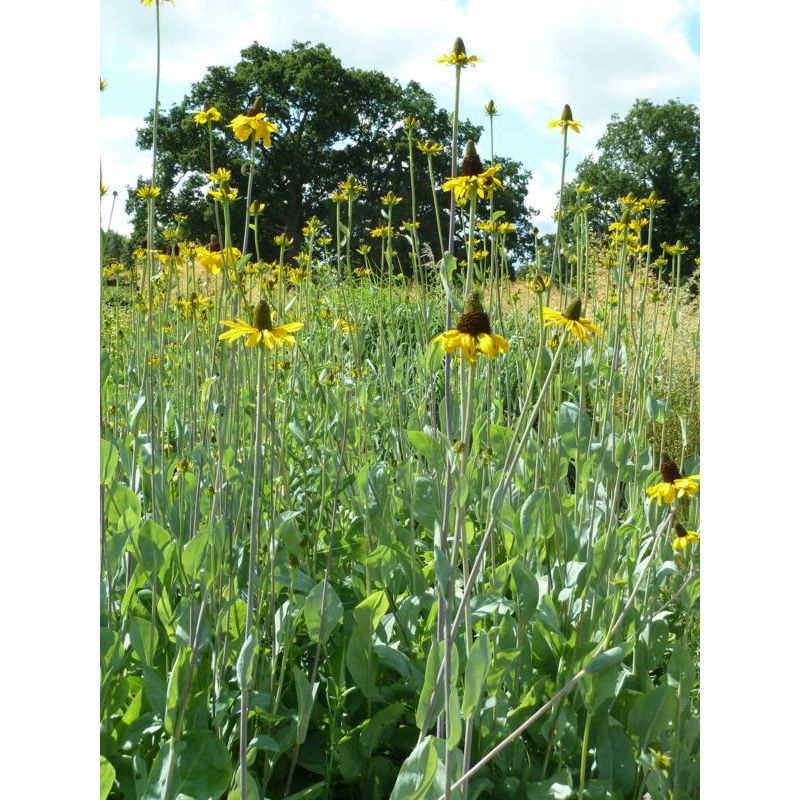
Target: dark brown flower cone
[
  {"x": 573, "y": 311},
  {"x": 680, "y": 531},
  {"x": 458, "y": 46},
  {"x": 213, "y": 245},
  {"x": 669, "y": 470},
  {"x": 471, "y": 165},
  {"x": 255, "y": 108},
  {"x": 474, "y": 320},
  {"x": 262, "y": 319},
  {"x": 566, "y": 114}
]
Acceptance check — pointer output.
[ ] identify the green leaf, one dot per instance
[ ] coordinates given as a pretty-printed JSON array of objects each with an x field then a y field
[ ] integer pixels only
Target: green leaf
[
  {"x": 421, "y": 776},
  {"x": 305, "y": 702},
  {"x": 143, "y": 637},
  {"x": 428, "y": 447},
  {"x": 175, "y": 685},
  {"x": 321, "y": 624},
  {"x": 475, "y": 675},
  {"x": 369, "y": 612},
  {"x": 194, "y": 556},
  {"x": 109, "y": 458},
  {"x": 455, "y": 720},
  {"x": 527, "y": 591},
  {"x": 434, "y": 661},
  {"x": 202, "y": 768},
  {"x": 615, "y": 760},
  {"x": 651, "y": 713},
  {"x": 604, "y": 661},
  {"x": 245, "y": 664},
  {"x": 107, "y": 777}
]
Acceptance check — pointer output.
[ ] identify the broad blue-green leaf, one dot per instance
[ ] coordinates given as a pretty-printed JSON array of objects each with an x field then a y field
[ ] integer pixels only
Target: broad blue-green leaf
[
  {"x": 322, "y": 624},
  {"x": 612, "y": 656},
  {"x": 143, "y": 638},
  {"x": 421, "y": 776},
  {"x": 615, "y": 760},
  {"x": 175, "y": 687},
  {"x": 425, "y": 445},
  {"x": 245, "y": 664},
  {"x": 527, "y": 591},
  {"x": 434, "y": 661},
  {"x": 107, "y": 776},
  {"x": 475, "y": 674},
  {"x": 305, "y": 701},
  {"x": 651, "y": 713},
  {"x": 109, "y": 458}
]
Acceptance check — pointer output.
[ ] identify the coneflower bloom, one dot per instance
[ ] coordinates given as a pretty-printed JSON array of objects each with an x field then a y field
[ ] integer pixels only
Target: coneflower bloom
[
  {"x": 566, "y": 121},
  {"x": 458, "y": 55},
  {"x": 208, "y": 114},
  {"x": 683, "y": 537},
  {"x": 261, "y": 330},
  {"x": 245, "y": 125},
  {"x": 673, "y": 485},
  {"x": 580, "y": 327},
  {"x": 473, "y": 333}
]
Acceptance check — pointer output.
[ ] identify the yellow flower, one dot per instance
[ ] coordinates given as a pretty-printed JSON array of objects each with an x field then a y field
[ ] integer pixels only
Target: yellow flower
[
  {"x": 345, "y": 326},
  {"x": 566, "y": 121},
  {"x": 338, "y": 197},
  {"x": 282, "y": 240},
  {"x": 673, "y": 485},
  {"x": 538, "y": 283},
  {"x": 430, "y": 148},
  {"x": 382, "y": 232},
  {"x": 312, "y": 226},
  {"x": 103, "y": 85},
  {"x": 261, "y": 129},
  {"x": 213, "y": 260},
  {"x": 410, "y": 122},
  {"x": 674, "y": 249},
  {"x": 325, "y": 241},
  {"x": 473, "y": 333},
  {"x": 458, "y": 55},
  {"x": 209, "y": 114},
  {"x": 653, "y": 201},
  {"x": 490, "y": 108},
  {"x": 351, "y": 188},
  {"x": 683, "y": 537},
  {"x": 148, "y": 3},
  {"x": 483, "y": 185},
  {"x": 580, "y": 327},
  {"x": 262, "y": 329},
  {"x": 391, "y": 199},
  {"x": 220, "y": 175},
  {"x": 148, "y": 192},
  {"x": 363, "y": 249},
  {"x": 225, "y": 194},
  {"x": 257, "y": 208}
]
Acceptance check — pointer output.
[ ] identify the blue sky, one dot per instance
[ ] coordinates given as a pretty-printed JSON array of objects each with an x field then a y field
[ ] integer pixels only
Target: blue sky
[{"x": 597, "y": 55}]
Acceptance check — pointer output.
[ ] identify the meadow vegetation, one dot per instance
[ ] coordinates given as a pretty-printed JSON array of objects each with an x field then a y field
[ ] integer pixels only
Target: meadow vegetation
[{"x": 394, "y": 517}]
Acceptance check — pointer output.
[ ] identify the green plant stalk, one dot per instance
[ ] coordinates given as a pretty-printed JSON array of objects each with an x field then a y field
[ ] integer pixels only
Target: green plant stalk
[
  {"x": 436, "y": 212},
  {"x": 584, "y": 753},
  {"x": 473, "y": 201},
  {"x": 557, "y": 241},
  {"x": 497, "y": 500},
  {"x": 255, "y": 520}
]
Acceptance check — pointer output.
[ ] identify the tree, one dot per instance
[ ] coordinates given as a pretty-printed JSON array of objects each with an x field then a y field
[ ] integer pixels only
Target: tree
[
  {"x": 333, "y": 122},
  {"x": 654, "y": 148}
]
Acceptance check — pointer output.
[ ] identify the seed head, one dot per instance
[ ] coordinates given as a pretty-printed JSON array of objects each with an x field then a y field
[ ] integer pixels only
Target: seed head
[
  {"x": 573, "y": 311},
  {"x": 471, "y": 165},
  {"x": 474, "y": 320},
  {"x": 566, "y": 114},
  {"x": 669, "y": 470},
  {"x": 490, "y": 108},
  {"x": 262, "y": 318},
  {"x": 458, "y": 46},
  {"x": 255, "y": 108}
]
